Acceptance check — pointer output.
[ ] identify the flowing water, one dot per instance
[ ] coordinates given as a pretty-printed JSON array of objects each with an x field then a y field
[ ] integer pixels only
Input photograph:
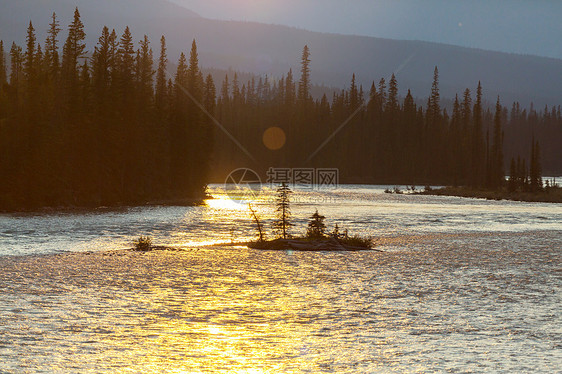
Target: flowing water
[{"x": 463, "y": 285}]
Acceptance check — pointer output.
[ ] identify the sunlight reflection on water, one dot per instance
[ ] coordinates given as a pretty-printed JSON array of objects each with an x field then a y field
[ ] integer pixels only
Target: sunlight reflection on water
[
  {"x": 365, "y": 210},
  {"x": 468, "y": 302},
  {"x": 464, "y": 284}
]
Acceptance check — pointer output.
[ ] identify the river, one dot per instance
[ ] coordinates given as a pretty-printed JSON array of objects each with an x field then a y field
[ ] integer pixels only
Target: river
[{"x": 462, "y": 285}]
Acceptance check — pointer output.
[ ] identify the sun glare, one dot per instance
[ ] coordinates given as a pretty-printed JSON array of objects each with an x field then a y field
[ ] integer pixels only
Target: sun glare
[{"x": 222, "y": 202}]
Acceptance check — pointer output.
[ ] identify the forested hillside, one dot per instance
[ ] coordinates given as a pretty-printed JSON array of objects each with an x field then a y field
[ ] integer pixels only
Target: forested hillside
[
  {"x": 116, "y": 127},
  {"x": 105, "y": 130},
  {"x": 381, "y": 137}
]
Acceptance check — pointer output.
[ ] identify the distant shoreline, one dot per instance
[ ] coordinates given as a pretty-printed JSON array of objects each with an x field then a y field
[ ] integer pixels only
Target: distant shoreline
[
  {"x": 92, "y": 208},
  {"x": 552, "y": 195}
]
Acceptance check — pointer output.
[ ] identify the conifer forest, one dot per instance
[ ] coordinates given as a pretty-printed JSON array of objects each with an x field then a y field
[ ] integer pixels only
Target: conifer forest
[{"x": 117, "y": 123}]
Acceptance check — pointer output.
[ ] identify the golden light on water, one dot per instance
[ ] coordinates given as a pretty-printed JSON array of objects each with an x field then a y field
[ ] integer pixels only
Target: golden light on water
[
  {"x": 225, "y": 202},
  {"x": 182, "y": 325}
]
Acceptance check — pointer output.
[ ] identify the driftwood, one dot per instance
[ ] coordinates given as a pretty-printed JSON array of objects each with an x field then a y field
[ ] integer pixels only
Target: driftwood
[{"x": 327, "y": 244}]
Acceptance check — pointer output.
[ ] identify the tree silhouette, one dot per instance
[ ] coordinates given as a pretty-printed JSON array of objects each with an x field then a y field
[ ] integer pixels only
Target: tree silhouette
[
  {"x": 105, "y": 129},
  {"x": 316, "y": 227},
  {"x": 535, "y": 170},
  {"x": 87, "y": 131},
  {"x": 2, "y": 65},
  {"x": 283, "y": 222},
  {"x": 497, "y": 162},
  {"x": 51, "y": 47},
  {"x": 304, "y": 83}
]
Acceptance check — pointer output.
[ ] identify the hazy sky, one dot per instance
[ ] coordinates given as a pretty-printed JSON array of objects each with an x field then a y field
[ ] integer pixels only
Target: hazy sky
[{"x": 519, "y": 26}]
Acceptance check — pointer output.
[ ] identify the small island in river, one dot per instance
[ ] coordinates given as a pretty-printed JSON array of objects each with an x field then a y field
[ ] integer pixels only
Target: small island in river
[
  {"x": 316, "y": 238},
  {"x": 311, "y": 245}
]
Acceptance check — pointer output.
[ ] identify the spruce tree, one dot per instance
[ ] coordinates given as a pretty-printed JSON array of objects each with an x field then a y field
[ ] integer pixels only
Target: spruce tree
[
  {"x": 304, "y": 83},
  {"x": 477, "y": 146},
  {"x": 434, "y": 108},
  {"x": 353, "y": 95},
  {"x": 535, "y": 169},
  {"x": 51, "y": 47},
  {"x": 392, "y": 103},
  {"x": 74, "y": 48},
  {"x": 101, "y": 67},
  {"x": 316, "y": 227},
  {"x": 382, "y": 94},
  {"x": 29, "y": 65},
  {"x": 3, "y": 76},
  {"x": 126, "y": 68},
  {"x": 145, "y": 74},
  {"x": 225, "y": 90},
  {"x": 289, "y": 90},
  {"x": 210, "y": 94},
  {"x": 283, "y": 222},
  {"x": 179, "y": 135},
  {"x": 194, "y": 82},
  {"x": 497, "y": 168},
  {"x": 161, "y": 96},
  {"x": 16, "y": 65}
]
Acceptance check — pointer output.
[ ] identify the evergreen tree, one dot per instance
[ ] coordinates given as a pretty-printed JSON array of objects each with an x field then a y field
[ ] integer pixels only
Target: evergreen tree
[
  {"x": 289, "y": 90},
  {"x": 179, "y": 134},
  {"x": 102, "y": 65},
  {"x": 51, "y": 47},
  {"x": 99, "y": 131},
  {"x": 304, "y": 83},
  {"x": 316, "y": 227},
  {"x": 225, "y": 90},
  {"x": 29, "y": 65},
  {"x": 497, "y": 149},
  {"x": 353, "y": 95},
  {"x": 126, "y": 68},
  {"x": 74, "y": 48},
  {"x": 194, "y": 80},
  {"x": 392, "y": 103},
  {"x": 88, "y": 143},
  {"x": 16, "y": 65},
  {"x": 161, "y": 96},
  {"x": 210, "y": 99},
  {"x": 535, "y": 169},
  {"x": 434, "y": 109},
  {"x": 477, "y": 146},
  {"x": 145, "y": 73},
  {"x": 3, "y": 77},
  {"x": 382, "y": 92},
  {"x": 283, "y": 222}
]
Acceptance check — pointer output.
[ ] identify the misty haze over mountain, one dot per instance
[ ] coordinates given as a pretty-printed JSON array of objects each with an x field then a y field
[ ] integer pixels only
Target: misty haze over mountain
[
  {"x": 516, "y": 26},
  {"x": 274, "y": 49}
]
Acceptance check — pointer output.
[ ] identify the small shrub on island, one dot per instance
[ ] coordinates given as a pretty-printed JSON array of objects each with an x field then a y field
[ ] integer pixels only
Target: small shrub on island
[
  {"x": 143, "y": 243},
  {"x": 357, "y": 241}
]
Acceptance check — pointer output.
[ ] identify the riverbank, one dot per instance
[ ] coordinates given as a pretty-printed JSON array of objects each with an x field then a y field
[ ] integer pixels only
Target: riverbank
[
  {"x": 78, "y": 208},
  {"x": 551, "y": 195}
]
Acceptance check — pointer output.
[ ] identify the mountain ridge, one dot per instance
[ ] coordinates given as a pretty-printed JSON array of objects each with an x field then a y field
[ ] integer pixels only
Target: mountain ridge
[{"x": 274, "y": 49}]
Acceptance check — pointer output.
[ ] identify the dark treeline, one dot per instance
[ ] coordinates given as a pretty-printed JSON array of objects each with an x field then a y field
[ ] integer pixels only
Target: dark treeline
[
  {"x": 100, "y": 127},
  {"x": 386, "y": 138},
  {"x": 108, "y": 126}
]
